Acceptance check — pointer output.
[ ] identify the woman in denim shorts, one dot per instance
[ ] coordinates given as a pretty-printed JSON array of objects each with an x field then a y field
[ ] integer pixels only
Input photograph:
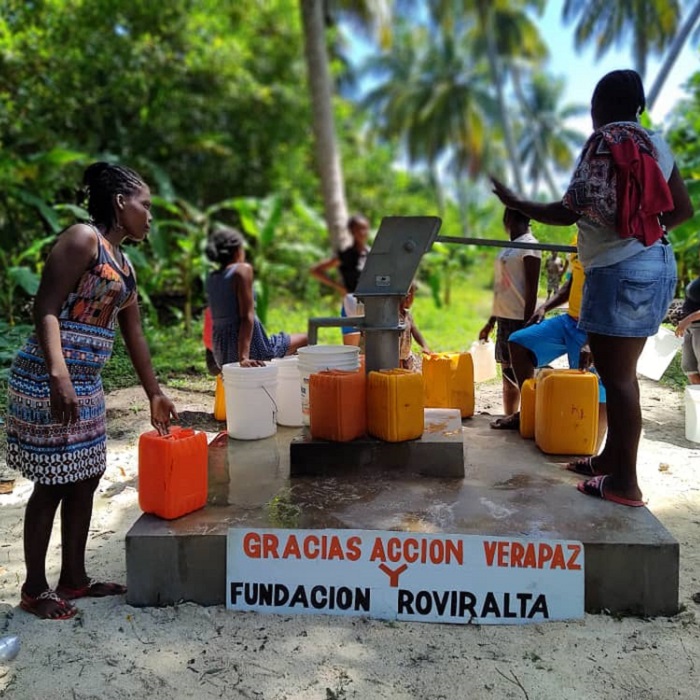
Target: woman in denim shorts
[{"x": 629, "y": 264}]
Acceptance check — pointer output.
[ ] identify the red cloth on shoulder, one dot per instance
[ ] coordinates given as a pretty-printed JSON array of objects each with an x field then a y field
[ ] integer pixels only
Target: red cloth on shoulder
[
  {"x": 642, "y": 192},
  {"x": 618, "y": 183}
]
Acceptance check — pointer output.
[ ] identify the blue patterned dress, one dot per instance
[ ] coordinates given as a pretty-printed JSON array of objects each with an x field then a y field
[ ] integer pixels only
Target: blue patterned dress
[
  {"x": 42, "y": 450},
  {"x": 226, "y": 321}
]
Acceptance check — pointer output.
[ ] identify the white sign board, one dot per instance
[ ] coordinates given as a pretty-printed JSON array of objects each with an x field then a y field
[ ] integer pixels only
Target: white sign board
[{"x": 404, "y": 575}]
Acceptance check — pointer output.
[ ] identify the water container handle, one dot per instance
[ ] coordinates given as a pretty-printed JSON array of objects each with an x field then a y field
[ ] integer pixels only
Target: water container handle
[
  {"x": 179, "y": 434},
  {"x": 274, "y": 405}
]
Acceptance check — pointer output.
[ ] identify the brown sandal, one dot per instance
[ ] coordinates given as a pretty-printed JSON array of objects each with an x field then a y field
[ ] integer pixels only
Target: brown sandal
[
  {"x": 48, "y": 606},
  {"x": 92, "y": 589}
]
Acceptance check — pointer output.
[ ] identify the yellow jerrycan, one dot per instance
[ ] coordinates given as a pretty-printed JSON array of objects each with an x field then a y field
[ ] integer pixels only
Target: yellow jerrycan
[
  {"x": 566, "y": 412},
  {"x": 448, "y": 381}
]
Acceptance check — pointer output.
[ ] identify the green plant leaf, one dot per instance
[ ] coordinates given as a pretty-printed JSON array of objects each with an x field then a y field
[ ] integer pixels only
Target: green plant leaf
[{"x": 25, "y": 278}]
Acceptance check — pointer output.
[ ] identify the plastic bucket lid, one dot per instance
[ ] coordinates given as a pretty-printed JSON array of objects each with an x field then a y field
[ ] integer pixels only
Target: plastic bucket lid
[
  {"x": 255, "y": 376},
  {"x": 334, "y": 351}
]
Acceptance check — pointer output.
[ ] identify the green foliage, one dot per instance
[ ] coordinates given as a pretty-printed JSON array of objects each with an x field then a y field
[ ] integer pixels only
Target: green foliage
[
  {"x": 684, "y": 139},
  {"x": 11, "y": 338}
]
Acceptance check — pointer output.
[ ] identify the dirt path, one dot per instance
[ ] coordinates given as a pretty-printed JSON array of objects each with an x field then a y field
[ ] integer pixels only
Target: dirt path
[{"x": 115, "y": 651}]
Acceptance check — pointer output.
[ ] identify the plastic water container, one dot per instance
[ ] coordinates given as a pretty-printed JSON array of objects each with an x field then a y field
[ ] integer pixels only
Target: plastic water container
[
  {"x": 395, "y": 405},
  {"x": 172, "y": 472},
  {"x": 316, "y": 358},
  {"x": 658, "y": 352},
  {"x": 692, "y": 413},
  {"x": 566, "y": 412},
  {"x": 219, "y": 399},
  {"x": 448, "y": 380},
  {"x": 483, "y": 354},
  {"x": 527, "y": 408},
  {"x": 251, "y": 407},
  {"x": 288, "y": 391},
  {"x": 338, "y": 405},
  {"x": 9, "y": 647}
]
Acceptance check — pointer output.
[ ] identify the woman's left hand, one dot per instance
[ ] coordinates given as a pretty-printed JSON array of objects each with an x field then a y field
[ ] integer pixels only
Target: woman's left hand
[{"x": 162, "y": 410}]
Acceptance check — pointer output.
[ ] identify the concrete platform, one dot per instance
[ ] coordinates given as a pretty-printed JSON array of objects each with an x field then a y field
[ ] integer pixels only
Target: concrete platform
[
  {"x": 438, "y": 452},
  {"x": 509, "y": 489}
]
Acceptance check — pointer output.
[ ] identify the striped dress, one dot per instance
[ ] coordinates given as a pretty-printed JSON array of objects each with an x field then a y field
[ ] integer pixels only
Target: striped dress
[{"x": 42, "y": 450}]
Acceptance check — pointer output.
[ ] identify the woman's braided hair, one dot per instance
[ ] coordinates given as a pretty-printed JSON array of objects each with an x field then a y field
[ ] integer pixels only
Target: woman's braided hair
[
  {"x": 101, "y": 183},
  {"x": 618, "y": 96}
]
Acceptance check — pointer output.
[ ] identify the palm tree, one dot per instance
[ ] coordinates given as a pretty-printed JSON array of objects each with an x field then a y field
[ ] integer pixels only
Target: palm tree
[
  {"x": 434, "y": 97},
  {"x": 689, "y": 23},
  {"x": 327, "y": 154},
  {"x": 546, "y": 140},
  {"x": 488, "y": 16},
  {"x": 649, "y": 25},
  {"x": 316, "y": 15}
]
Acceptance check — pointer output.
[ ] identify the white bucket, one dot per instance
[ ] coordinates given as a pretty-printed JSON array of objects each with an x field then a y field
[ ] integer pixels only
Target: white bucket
[
  {"x": 658, "y": 352},
  {"x": 251, "y": 410},
  {"x": 316, "y": 358},
  {"x": 692, "y": 413},
  {"x": 288, "y": 391},
  {"x": 483, "y": 354}
]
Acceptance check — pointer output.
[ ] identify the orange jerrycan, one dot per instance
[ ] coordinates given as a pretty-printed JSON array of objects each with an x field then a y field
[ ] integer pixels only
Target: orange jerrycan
[
  {"x": 395, "y": 405},
  {"x": 337, "y": 405},
  {"x": 219, "y": 399},
  {"x": 566, "y": 412},
  {"x": 172, "y": 472},
  {"x": 527, "y": 408},
  {"x": 448, "y": 381}
]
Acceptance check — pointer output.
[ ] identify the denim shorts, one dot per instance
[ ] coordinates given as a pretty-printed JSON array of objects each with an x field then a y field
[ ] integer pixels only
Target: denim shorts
[
  {"x": 552, "y": 338},
  {"x": 630, "y": 298}
]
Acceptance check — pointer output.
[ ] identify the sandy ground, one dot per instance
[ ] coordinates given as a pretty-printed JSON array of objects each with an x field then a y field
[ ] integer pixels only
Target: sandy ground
[{"x": 112, "y": 650}]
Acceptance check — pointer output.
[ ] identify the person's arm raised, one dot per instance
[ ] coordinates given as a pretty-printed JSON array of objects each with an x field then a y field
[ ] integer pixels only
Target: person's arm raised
[
  {"x": 74, "y": 252},
  {"x": 553, "y": 213}
]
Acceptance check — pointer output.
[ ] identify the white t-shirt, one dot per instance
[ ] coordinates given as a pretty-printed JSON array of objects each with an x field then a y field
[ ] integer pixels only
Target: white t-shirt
[
  {"x": 509, "y": 284},
  {"x": 600, "y": 246}
]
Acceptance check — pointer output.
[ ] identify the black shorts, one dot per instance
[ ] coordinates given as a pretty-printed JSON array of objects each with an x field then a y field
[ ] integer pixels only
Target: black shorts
[{"x": 504, "y": 327}]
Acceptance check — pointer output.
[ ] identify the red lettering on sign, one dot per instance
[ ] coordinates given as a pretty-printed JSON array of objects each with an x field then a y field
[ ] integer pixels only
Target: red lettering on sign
[{"x": 393, "y": 574}]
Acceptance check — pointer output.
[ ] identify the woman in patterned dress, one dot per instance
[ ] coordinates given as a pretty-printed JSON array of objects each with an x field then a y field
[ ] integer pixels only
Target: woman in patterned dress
[{"x": 56, "y": 409}]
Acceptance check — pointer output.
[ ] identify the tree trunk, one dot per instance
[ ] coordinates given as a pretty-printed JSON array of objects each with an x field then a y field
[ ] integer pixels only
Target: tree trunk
[
  {"x": 486, "y": 14},
  {"x": 327, "y": 155},
  {"x": 539, "y": 146},
  {"x": 673, "y": 52}
]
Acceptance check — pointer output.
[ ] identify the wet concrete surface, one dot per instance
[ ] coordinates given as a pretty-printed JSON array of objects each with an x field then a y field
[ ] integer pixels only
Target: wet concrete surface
[{"x": 509, "y": 488}]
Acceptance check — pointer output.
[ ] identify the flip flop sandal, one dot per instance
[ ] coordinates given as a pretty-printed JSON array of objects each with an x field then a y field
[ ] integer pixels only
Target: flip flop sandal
[
  {"x": 596, "y": 487},
  {"x": 40, "y": 605},
  {"x": 511, "y": 422},
  {"x": 93, "y": 589},
  {"x": 583, "y": 466}
]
